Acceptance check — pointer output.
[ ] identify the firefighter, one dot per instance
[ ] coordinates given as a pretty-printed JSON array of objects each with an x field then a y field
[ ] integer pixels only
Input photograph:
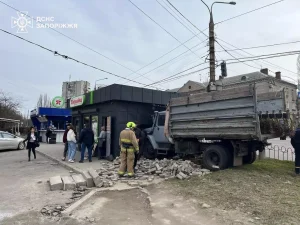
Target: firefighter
[
  {"x": 129, "y": 146},
  {"x": 295, "y": 141}
]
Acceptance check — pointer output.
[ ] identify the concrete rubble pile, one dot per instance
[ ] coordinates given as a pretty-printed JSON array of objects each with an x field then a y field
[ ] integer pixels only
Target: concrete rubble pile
[
  {"x": 149, "y": 169},
  {"x": 146, "y": 170}
]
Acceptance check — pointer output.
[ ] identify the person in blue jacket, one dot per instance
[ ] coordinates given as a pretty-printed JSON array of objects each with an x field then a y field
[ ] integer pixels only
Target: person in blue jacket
[{"x": 295, "y": 141}]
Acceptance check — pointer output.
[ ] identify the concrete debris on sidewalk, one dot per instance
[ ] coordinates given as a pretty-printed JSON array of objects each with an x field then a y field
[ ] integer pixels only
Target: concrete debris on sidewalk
[
  {"x": 146, "y": 171},
  {"x": 167, "y": 168}
]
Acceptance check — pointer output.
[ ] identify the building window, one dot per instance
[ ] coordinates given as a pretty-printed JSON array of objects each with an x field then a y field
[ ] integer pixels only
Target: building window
[
  {"x": 190, "y": 87},
  {"x": 244, "y": 78}
]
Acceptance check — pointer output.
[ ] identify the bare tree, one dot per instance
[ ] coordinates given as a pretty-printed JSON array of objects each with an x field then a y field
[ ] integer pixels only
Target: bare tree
[
  {"x": 9, "y": 108},
  {"x": 43, "y": 101}
]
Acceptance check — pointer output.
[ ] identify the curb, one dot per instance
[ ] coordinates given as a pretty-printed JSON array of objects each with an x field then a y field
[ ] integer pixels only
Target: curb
[
  {"x": 62, "y": 163},
  {"x": 74, "y": 206}
]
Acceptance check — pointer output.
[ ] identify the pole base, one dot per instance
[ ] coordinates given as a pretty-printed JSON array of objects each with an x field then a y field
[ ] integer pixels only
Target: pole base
[{"x": 211, "y": 87}]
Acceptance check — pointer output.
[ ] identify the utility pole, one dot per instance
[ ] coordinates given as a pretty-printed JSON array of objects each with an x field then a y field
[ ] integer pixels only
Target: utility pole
[{"x": 212, "y": 59}]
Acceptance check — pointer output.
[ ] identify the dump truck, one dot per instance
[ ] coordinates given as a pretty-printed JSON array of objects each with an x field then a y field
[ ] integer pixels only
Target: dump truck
[{"x": 224, "y": 128}]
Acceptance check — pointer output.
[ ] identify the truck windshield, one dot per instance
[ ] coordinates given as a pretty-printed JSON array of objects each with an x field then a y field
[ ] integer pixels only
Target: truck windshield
[{"x": 161, "y": 120}]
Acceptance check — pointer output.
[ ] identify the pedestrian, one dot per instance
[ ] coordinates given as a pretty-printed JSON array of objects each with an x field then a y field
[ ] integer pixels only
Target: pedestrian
[
  {"x": 48, "y": 134},
  {"x": 295, "y": 141},
  {"x": 129, "y": 146},
  {"x": 101, "y": 142},
  {"x": 139, "y": 136},
  {"x": 71, "y": 138},
  {"x": 65, "y": 142},
  {"x": 32, "y": 142},
  {"x": 86, "y": 139}
]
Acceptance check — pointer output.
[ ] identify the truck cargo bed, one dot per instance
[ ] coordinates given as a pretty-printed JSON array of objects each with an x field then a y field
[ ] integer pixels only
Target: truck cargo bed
[{"x": 228, "y": 114}]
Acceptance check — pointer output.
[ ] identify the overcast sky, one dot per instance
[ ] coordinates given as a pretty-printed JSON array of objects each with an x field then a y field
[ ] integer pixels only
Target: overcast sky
[{"x": 118, "y": 30}]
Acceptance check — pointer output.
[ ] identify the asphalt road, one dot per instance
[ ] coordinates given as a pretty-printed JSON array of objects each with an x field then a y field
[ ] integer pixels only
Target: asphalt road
[{"x": 24, "y": 187}]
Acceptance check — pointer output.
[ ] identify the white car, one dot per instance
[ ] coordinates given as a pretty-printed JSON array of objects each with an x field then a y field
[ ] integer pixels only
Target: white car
[{"x": 10, "y": 141}]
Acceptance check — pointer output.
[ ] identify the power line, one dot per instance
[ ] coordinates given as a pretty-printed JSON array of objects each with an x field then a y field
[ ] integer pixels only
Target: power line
[
  {"x": 234, "y": 17},
  {"x": 176, "y": 74},
  {"x": 200, "y": 30},
  {"x": 169, "y": 79},
  {"x": 160, "y": 26},
  {"x": 83, "y": 45},
  {"x": 271, "y": 54},
  {"x": 161, "y": 56},
  {"x": 175, "y": 17},
  {"x": 267, "y": 62},
  {"x": 261, "y": 46},
  {"x": 186, "y": 18},
  {"x": 175, "y": 77},
  {"x": 168, "y": 61},
  {"x": 67, "y": 57},
  {"x": 264, "y": 57}
]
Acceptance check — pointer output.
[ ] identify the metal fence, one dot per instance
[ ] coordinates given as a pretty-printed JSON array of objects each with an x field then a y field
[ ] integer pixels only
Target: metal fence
[{"x": 280, "y": 152}]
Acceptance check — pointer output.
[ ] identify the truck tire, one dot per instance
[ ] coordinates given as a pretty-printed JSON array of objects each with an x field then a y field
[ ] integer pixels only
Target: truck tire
[
  {"x": 250, "y": 158},
  {"x": 148, "y": 151},
  {"x": 215, "y": 158}
]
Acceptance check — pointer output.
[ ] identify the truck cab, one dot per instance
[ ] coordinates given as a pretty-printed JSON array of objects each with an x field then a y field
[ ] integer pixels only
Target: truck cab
[{"x": 156, "y": 142}]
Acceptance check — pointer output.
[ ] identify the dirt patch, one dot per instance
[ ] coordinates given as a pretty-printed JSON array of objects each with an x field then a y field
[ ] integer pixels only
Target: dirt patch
[{"x": 265, "y": 192}]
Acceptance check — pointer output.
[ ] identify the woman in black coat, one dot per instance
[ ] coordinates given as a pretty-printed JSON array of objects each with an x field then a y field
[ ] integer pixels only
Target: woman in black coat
[{"x": 32, "y": 142}]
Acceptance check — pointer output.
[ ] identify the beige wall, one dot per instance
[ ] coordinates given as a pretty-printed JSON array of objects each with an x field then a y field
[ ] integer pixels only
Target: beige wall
[{"x": 189, "y": 86}]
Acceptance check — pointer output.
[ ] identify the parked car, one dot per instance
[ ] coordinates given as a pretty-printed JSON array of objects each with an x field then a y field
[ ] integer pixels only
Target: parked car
[{"x": 10, "y": 141}]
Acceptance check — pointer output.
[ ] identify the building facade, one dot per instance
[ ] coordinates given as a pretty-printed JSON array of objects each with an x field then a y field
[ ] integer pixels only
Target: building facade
[
  {"x": 113, "y": 106},
  {"x": 74, "y": 88}
]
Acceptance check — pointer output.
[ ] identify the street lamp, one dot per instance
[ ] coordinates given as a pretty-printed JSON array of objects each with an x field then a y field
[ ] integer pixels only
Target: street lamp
[
  {"x": 99, "y": 80},
  {"x": 212, "y": 66}
]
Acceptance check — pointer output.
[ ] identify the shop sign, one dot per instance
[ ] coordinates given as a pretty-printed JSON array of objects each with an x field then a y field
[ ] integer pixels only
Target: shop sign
[
  {"x": 58, "y": 102},
  {"x": 77, "y": 101}
]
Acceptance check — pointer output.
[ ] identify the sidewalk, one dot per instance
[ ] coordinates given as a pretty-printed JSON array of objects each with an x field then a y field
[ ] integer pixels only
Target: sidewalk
[{"x": 55, "y": 153}]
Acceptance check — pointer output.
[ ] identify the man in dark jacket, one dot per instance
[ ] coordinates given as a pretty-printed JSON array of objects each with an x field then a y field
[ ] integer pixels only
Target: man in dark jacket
[
  {"x": 140, "y": 138},
  {"x": 66, "y": 142},
  {"x": 295, "y": 141},
  {"x": 48, "y": 134},
  {"x": 86, "y": 139}
]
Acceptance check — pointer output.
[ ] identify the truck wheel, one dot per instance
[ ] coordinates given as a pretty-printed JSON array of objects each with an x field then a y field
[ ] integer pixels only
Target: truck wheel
[
  {"x": 149, "y": 151},
  {"x": 250, "y": 158},
  {"x": 215, "y": 158}
]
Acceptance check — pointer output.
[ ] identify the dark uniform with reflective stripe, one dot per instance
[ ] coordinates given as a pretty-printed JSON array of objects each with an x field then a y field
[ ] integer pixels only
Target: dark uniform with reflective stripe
[
  {"x": 129, "y": 146},
  {"x": 295, "y": 141}
]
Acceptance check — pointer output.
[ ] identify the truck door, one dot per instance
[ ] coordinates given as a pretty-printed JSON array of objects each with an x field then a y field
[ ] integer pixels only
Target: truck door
[{"x": 158, "y": 132}]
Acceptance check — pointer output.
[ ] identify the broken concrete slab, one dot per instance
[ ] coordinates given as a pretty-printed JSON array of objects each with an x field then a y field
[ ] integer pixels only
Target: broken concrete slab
[
  {"x": 89, "y": 179},
  {"x": 56, "y": 183},
  {"x": 68, "y": 183},
  {"x": 79, "y": 180},
  {"x": 96, "y": 178}
]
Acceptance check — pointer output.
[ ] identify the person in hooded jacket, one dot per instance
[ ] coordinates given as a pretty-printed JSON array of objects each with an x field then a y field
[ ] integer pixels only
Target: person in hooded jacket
[
  {"x": 295, "y": 141},
  {"x": 86, "y": 139}
]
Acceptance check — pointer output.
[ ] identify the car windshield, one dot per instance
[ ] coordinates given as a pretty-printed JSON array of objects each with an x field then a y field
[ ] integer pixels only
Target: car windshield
[{"x": 7, "y": 135}]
